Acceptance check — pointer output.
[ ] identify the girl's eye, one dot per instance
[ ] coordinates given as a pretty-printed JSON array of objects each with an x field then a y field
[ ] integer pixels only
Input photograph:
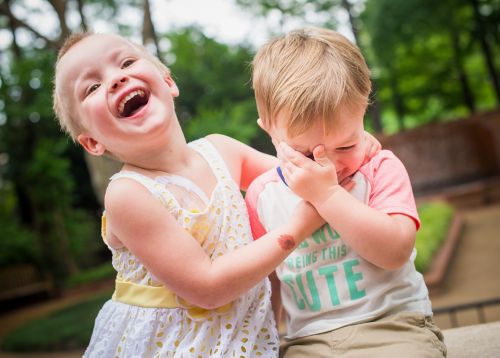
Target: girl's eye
[
  {"x": 127, "y": 63},
  {"x": 345, "y": 149},
  {"x": 92, "y": 88}
]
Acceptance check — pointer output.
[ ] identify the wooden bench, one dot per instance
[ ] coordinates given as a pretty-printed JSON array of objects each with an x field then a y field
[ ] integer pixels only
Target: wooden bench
[
  {"x": 23, "y": 280},
  {"x": 480, "y": 340}
]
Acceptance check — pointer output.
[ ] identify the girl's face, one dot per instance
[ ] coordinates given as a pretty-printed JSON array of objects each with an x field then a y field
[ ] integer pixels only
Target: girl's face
[{"x": 124, "y": 101}]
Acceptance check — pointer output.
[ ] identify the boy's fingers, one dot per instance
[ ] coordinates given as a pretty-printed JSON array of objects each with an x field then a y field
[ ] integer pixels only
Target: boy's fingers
[
  {"x": 294, "y": 157},
  {"x": 320, "y": 156}
]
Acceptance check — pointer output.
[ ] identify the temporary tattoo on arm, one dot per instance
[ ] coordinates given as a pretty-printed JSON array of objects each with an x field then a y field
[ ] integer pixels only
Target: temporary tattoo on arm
[{"x": 287, "y": 242}]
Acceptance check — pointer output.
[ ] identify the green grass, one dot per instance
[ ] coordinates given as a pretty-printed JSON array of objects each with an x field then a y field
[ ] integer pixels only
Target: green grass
[
  {"x": 91, "y": 275},
  {"x": 69, "y": 328},
  {"x": 436, "y": 219}
]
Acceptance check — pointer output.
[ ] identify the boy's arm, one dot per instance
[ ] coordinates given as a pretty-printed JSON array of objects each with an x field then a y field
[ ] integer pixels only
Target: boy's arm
[
  {"x": 244, "y": 162},
  {"x": 142, "y": 224},
  {"x": 258, "y": 230},
  {"x": 384, "y": 232}
]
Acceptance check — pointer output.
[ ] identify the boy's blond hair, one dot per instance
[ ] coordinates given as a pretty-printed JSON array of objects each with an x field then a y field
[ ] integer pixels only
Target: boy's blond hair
[
  {"x": 308, "y": 74},
  {"x": 68, "y": 121}
]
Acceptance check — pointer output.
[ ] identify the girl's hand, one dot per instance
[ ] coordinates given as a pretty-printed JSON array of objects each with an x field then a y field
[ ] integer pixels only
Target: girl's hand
[
  {"x": 312, "y": 180},
  {"x": 372, "y": 146}
]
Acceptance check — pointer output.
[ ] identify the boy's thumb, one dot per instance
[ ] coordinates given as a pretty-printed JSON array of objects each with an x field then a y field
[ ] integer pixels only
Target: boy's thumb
[{"x": 320, "y": 156}]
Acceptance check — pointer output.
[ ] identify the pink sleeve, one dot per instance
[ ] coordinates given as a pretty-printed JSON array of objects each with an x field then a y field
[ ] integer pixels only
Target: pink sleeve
[
  {"x": 252, "y": 199},
  {"x": 391, "y": 190}
]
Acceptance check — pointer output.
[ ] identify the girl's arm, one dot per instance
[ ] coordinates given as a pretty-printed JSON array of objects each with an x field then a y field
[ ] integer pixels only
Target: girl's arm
[
  {"x": 152, "y": 234},
  {"x": 244, "y": 162}
]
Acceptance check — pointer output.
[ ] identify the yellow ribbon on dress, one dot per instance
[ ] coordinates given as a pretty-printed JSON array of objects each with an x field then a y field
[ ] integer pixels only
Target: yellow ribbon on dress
[{"x": 160, "y": 297}]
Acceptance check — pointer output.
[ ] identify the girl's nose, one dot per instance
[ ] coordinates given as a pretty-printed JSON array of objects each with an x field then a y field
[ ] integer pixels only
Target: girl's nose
[{"x": 118, "y": 82}]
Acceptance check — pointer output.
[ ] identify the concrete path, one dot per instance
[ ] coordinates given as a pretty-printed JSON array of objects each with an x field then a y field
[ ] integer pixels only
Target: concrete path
[{"x": 474, "y": 272}]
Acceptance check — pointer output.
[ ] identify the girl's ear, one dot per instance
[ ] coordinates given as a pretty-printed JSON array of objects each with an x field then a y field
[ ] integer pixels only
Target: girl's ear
[
  {"x": 92, "y": 146},
  {"x": 171, "y": 83}
]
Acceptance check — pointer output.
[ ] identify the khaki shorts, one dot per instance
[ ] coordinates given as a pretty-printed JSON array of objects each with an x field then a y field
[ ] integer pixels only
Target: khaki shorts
[{"x": 405, "y": 334}]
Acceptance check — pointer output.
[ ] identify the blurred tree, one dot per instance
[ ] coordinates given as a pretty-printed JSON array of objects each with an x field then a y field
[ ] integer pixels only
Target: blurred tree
[
  {"x": 427, "y": 57},
  {"x": 430, "y": 60},
  {"x": 323, "y": 13},
  {"x": 39, "y": 165},
  {"x": 42, "y": 174},
  {"x": 213, "y": 79},
  {"x": 481, "y": 29}
]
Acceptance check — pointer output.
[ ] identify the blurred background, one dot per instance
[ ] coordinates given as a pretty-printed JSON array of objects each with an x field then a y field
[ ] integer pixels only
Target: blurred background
[{"x": 435, "y": 70}]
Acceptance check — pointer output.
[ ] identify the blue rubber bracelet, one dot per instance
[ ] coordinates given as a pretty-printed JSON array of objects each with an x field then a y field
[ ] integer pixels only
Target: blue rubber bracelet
[{"x": 278, "y": 169}]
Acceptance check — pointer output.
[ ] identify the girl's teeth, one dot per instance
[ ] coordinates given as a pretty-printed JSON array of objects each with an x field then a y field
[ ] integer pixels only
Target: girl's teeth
[{"x": 121, "y": 106}]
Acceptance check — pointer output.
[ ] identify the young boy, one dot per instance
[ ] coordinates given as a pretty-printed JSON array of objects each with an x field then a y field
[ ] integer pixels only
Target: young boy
[{"x": 351, "y": 289}]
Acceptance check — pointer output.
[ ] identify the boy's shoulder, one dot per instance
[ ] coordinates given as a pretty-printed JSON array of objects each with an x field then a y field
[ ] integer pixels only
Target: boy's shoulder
[
  {"x": 256, "y": 187},
  {"x": 384, "y": 154},
  {"x": 385, "y": 159}
]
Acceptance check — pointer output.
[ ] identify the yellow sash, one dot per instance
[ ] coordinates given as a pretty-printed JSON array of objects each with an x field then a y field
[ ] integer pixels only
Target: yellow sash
[{"x": 159, "y": 297}]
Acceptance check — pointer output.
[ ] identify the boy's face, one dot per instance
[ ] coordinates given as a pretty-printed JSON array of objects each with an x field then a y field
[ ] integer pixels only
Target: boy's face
[
  {"x": 119, "y": 95},
  {"x": 344, "y": 144}
]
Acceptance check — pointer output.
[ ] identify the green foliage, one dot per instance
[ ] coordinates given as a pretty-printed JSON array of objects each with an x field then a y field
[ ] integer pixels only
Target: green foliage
[
  {"x": 42, "y": 173},
  {"x": 427, "y": 60},
  {"x": 214, "y": 82},
  {"x": 18, "y": 244},
  {"x": 50, "y": 170},
  {"x": 237, "y": 121},
  {"x": 85, "y": 242},
  {"x": 94, "y": 274},
  {"x": 210, "y": 75},
  {"x": 436, "y": 219},
  {"x": 69, "y": 328}
]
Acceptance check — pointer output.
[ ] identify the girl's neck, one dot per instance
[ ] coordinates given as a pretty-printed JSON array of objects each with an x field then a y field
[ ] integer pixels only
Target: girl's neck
[{"x": 169, "y": 160}]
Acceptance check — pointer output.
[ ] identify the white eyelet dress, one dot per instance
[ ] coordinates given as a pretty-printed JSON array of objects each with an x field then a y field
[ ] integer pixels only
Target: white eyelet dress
[{"x": 146, "y": 319}]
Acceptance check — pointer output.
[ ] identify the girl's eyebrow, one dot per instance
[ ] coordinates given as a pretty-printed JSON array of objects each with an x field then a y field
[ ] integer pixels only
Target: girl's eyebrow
[{"x": 91, "y": 72}]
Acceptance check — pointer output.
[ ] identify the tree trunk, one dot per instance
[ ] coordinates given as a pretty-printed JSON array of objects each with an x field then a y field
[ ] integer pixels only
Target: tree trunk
[
  {"x": 486, "y": 50},
  {"x": 12, "y": 28},
  {"x": 82, "y": 16},
  {"x": 375, "y": 106},
  {"x": 462, "y": 76},
  {"x": 59, "y": 7},
  {"x": 61, "y": 233},
  {"x": 397, "y": 99},
  {"x": 148, "y": 29},
  {"x": 15, "y": 22}
]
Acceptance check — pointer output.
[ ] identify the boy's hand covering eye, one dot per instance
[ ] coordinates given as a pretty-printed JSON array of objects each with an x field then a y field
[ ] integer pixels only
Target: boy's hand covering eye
[{"x": 311, "y": 180}]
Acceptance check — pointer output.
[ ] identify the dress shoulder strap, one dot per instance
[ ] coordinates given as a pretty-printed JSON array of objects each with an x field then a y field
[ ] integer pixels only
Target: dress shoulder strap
[
  {"x": 154, "y": 187},
  {"x": 213, "y": 158}
]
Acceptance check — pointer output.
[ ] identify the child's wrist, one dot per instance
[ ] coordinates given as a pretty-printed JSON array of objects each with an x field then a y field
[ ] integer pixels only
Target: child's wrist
[{"x": 326, "y": 196}]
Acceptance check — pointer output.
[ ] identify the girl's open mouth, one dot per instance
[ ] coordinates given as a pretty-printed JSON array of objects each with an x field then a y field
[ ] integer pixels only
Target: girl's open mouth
[{"x": 132, "y": 103}]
